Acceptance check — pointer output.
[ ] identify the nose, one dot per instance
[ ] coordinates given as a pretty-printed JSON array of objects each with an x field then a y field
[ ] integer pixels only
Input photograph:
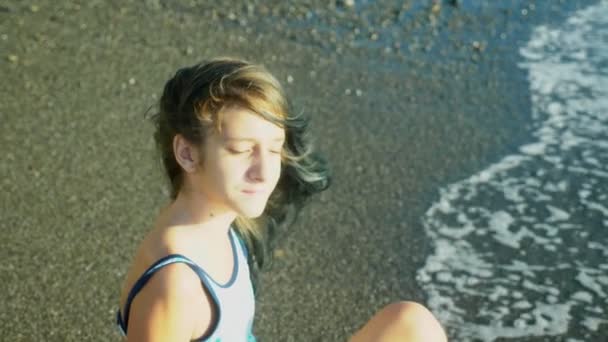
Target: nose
[{"x": 260, "y": 169}]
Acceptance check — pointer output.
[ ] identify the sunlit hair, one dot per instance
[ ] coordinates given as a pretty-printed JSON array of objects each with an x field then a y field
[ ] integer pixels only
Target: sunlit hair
[{"x": 191, "y": 105}]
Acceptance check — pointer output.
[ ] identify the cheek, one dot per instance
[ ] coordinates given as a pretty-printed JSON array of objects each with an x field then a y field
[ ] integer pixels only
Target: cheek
[
  {"x": 232, "y": 171},
  {"x": 277, "y": 171},
  {"x": 218, "y": 171}
]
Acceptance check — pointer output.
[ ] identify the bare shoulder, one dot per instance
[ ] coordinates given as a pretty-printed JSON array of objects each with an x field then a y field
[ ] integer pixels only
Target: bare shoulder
[
  {"x": 157, "y": 244},
  {"x": 175, "y": 281},
  {"x": 164, "y": 310},
  {"x": 173, "y": 305}
]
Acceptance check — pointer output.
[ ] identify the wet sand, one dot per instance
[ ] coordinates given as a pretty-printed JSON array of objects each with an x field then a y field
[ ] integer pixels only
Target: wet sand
[{"x": 81, "y": 185}]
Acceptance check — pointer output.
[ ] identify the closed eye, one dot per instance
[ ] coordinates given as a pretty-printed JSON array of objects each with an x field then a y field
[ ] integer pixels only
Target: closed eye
[
  {"x": 242, "y": 151},
  {"x": 233, "y": 151}
]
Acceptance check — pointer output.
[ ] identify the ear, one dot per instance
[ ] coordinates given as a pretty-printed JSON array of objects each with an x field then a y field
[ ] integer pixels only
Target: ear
[{"x": 185, "y": 153}]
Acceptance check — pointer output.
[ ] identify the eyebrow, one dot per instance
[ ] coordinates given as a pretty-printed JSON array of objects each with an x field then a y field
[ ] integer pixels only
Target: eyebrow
[{"x": 251, "y": 139}]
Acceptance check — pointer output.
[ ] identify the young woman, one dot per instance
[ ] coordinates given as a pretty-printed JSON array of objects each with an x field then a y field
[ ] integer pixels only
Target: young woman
[{"x": 239, "y": 167}]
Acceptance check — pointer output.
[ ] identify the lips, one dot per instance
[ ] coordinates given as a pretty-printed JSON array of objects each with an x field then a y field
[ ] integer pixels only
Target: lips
[{"x": 253, "y": 191}]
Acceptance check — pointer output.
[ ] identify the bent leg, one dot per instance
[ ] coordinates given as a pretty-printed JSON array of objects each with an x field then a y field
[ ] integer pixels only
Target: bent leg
[{"x": 403, "y": 322}]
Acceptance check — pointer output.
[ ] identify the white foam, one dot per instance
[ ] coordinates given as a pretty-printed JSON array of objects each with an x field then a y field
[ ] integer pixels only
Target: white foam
[
  {"x": 585, "y": 279},
  {"x": 505, "y": 258},
  {"x": 583, "y": 296},
  {"x": 534, "y": 149},
  {"x": 557, "y": 214},
  {"x": 593, "y": 323}
]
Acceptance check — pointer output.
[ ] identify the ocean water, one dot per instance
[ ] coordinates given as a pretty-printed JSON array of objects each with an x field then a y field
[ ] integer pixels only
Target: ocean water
[{"x": 521, "y": 247}]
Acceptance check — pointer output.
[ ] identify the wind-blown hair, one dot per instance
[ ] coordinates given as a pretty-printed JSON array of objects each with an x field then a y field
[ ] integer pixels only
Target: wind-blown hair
[{"x": 191, "y": 105}]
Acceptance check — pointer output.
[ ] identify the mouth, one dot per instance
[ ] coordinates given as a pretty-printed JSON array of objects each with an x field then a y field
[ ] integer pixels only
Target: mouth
[{"x": 252, "y": 192}]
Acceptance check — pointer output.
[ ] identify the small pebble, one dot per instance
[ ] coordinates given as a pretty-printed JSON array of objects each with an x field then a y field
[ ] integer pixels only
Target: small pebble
[
  {"x": 34, "y": 8},
  {"x": 289, "y": 79},
  {"x": 347, "y": 91},
  {"x": 358, "y": 92},
  {"x": 436, "y": 7},
  {"x": 131, "y": 81},
  {"x": 478, "y": 46},
  {"x": 13, "y": 58}
]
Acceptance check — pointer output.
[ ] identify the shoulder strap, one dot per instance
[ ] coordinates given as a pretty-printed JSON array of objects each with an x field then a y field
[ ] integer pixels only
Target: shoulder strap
[{"x": 139, "y": 284}]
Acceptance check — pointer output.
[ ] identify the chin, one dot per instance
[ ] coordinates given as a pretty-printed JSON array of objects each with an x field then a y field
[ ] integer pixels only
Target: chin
[{"x": 250, "y": 210}]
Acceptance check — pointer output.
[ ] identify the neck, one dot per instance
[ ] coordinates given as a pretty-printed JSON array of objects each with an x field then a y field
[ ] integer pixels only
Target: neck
[{"x": 194, "y": 209}]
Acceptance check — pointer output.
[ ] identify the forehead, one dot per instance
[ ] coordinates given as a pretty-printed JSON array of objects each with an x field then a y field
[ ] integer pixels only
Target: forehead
[{"x": 242, "y": 123}]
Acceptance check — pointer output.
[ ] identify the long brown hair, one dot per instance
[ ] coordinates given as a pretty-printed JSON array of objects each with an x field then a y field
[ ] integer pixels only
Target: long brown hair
[{"x": 191, "y": 105}]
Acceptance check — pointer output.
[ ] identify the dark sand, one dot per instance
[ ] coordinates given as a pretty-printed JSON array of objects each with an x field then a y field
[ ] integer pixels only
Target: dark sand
[{"x": 397, "y": 116}]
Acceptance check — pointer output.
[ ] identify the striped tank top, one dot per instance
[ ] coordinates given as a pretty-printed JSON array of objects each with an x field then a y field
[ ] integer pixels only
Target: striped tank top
[{"x": 234, "y": 300}]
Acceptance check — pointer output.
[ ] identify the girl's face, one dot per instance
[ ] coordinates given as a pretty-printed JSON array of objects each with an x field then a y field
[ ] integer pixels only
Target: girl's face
[{"x": 242, "y": 164}]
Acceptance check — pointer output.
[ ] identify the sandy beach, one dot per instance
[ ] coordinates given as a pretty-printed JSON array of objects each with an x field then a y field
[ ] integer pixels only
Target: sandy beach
[{"x": 397, "y": 112}]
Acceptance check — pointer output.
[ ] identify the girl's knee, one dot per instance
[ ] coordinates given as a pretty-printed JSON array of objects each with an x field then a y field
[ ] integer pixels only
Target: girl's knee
[
  {"x": 416, "y": 321},
  {"x": 406, "y": 311},
  {"x": 401, "y": 321}
]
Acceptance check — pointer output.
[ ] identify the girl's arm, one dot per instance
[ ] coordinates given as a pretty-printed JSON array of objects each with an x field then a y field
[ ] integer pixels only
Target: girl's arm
[{"x": 169, "y": 307}]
